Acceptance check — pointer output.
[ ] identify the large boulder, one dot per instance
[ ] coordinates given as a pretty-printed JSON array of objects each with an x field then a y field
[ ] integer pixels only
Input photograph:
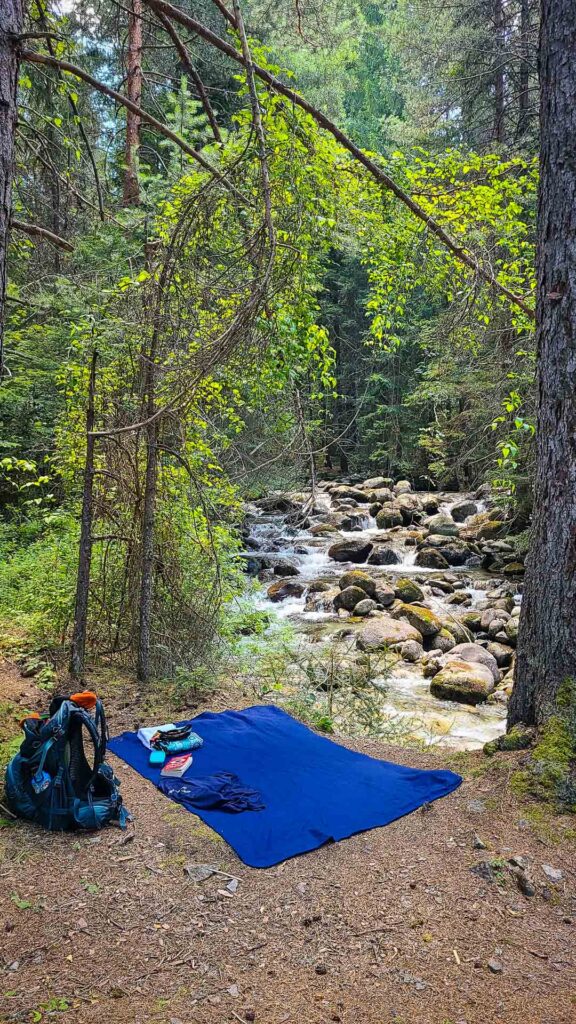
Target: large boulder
[
  {"x": 374, "y": 483},
  {"x": 462, "y": 510},
  {"x": 430, "y": 558},
  {"x": 358, "y": 578},
  {"x": 476, "y": 655},
  {"x": 383, "y": 631},
  {"x": 383, "y": 554},
  {"x": 423, "y": 619},
  {"x": 408, "y": 591},
  {"x": 409, "y": 506},
  {"x": 402, "y": 487},
  {"x": 389, "y": 515},
  {"x": 442, "y": 523},
  {"x": 381, "y": 496},
  {"x": 462, "y": 681},
  {"x": 285, "y": 588},
  {"x": 349, "y": 598},
  {"x": 343, "y": 491},
  {"x": 350, "y": 550}
]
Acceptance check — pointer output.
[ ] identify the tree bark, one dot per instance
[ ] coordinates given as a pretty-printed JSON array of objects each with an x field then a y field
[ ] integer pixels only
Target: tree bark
[
  {"x": 11, "y": 24},
  {"x": 148, "y": 528},
  {"x": 78, "y": 647},
  {"x": 547, "y": 637},
  {"x": 131, "y": 192},
  {"x": 498, "y": 12},
  {"x": 524, "y": 77}
]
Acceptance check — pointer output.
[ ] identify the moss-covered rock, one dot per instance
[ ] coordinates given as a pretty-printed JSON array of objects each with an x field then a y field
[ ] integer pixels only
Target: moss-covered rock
[
  {"x": 458, "y": 630},
  {"x": 442, "y": 524},
  {"x": 520, "y": 737},
  {"x": 423, "y": 619},
  {"x": 349, "y": 598},
  {"x": 476, "y": 655},
  {"x": 491, "y": 528},
  {"x": 408, "y": 591},
  {"x": 358, "y": 578},
  {"x": 513, "y": 569},
  {"x": 384, "y": 631},
  {"x": 389, "y": 516},
  {"x": 462, "y": 681},
  {"x": 443, "y": 641},
  {"x": 511, "y": 629},
  {"x": 471, "y": 620}
]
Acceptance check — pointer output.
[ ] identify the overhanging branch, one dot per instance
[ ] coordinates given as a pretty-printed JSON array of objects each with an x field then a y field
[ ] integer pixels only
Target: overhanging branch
[{"x": 462, "y": 254}]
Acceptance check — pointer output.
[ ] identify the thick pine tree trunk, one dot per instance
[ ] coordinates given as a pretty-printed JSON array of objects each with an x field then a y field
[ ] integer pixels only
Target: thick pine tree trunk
[
  {"x": 131, "y": 192},
  {"x": 11, "y": 22},
  {"x": 78, "y": 647},
  {"x": 547, "y": 640}
]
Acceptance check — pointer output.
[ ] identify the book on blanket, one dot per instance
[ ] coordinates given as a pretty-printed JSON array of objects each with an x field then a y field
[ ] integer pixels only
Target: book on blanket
[{"x": 176, "y": 767}]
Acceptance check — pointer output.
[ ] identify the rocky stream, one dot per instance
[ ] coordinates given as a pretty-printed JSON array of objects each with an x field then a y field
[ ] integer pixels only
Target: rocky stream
[{"x": 404, "y": 604}]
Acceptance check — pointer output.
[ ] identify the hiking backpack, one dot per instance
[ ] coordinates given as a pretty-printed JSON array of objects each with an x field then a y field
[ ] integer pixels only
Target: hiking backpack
[{"x": 52, "y": 782}]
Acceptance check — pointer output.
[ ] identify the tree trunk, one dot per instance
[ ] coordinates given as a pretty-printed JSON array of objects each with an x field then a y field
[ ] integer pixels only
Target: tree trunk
[
  {"x": 85, "y": 550},
  {"x": 11, "y": 22},
  {"x": 131, "y": 193},
  {"x": 547, "y": 640},
  {"x": 499, "y": 72},
  {"x": 148, "y": 522},
  {"x": 524, "y": 78}
]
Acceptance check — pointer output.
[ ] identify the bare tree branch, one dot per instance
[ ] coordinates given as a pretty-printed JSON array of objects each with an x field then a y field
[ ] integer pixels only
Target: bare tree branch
[
  {"x": 38, "y": 232},
  {"x": 192, "y": 73}
]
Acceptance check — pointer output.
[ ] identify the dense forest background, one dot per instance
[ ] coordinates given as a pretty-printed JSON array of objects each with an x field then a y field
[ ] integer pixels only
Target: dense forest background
[{"x": 248, "y": 323}]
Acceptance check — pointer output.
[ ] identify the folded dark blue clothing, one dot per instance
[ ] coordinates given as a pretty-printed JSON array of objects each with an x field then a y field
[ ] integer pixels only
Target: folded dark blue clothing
[
  {"x": 222, "y": 791},
  {"x": 314, "y": 790}
]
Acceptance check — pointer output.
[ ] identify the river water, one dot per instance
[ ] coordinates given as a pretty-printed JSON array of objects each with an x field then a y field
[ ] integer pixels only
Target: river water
[{"x": 401, "y": 693}]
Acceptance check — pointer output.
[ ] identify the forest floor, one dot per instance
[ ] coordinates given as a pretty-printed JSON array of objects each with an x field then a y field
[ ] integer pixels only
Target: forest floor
[{"x": 392, "y": 925}]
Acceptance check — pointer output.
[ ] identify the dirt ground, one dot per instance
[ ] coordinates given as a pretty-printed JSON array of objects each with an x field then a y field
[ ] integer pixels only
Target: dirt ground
[{"x": 391, "y": 925}]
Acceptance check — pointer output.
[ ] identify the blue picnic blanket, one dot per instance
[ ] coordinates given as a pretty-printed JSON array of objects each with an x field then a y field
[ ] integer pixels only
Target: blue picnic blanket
[{"x": 310, "y": 790}]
